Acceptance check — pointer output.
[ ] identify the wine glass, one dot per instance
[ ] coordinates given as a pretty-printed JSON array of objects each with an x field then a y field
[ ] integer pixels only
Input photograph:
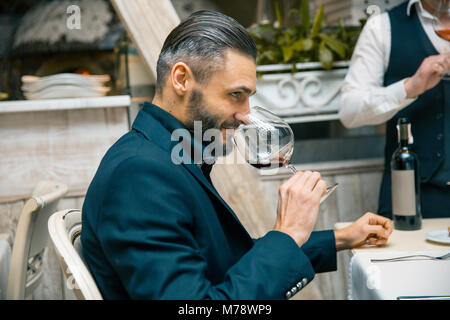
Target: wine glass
[
  {"x": 441, "y": 25},
  {"x": 266, "y": 141}
]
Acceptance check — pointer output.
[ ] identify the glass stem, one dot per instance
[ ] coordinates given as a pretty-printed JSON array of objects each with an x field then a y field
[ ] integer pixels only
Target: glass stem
[
  {"x": 292, "y": 168},
  {"x": 330, "y": 189}
]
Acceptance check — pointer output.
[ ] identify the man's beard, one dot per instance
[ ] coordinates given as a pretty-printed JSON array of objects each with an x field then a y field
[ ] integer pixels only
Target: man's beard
[{"x": 197, "y": 112}]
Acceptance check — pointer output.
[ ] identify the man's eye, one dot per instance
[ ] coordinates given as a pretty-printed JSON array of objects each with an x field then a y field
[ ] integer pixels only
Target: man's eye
[{"x": 236, "y": 95}]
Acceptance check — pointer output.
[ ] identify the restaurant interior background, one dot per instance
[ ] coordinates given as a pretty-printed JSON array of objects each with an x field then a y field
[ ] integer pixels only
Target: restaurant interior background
[{"x": 65, "y": 142}]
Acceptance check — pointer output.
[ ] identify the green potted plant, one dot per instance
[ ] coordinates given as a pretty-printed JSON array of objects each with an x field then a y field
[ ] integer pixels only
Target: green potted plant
[{"x": 301, "y": 67}]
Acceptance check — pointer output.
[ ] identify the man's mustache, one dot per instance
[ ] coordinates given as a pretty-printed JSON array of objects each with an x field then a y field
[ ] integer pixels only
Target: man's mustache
[{"x": 232, "y": 124}]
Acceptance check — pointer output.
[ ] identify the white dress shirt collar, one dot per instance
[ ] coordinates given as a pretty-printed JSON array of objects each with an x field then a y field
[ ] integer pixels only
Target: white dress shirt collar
[{"x": 424, "y": 13}]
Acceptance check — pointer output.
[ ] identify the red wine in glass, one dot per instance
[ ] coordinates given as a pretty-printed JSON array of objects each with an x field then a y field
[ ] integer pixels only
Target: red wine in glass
[{"x": 273, "y": 163}]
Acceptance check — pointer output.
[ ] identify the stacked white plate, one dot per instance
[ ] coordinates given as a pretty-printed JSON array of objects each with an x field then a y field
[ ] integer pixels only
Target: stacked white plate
[{"x": 64, "y": 85}]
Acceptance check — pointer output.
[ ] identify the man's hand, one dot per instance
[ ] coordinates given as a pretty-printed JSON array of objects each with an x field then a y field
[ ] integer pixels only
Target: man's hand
[
  {"x": 428, "y": 75},
  {"x": 298, "y": 205},
  {"x": 370, "y": 228}
]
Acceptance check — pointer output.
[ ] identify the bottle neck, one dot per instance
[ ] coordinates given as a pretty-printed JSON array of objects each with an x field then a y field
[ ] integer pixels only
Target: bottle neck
[
  {"x": 404, "y": 135},
  {"x": 404, "y": 143}
]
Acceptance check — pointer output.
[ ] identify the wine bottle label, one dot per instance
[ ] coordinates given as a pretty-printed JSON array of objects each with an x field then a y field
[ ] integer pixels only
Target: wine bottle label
[{"x": 403, "y": 193}]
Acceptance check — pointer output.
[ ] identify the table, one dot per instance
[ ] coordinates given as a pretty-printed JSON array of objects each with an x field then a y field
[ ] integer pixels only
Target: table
[{"x": 407, "y": 278}]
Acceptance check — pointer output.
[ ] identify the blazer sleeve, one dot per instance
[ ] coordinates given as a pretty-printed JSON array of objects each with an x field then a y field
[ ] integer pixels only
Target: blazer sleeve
[
  {"x": 321, "y": 250},
  {"x": 146, "y": 230}
]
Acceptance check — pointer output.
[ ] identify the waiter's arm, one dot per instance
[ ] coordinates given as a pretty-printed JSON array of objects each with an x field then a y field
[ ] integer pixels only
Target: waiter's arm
[
  {"x": 364, "y": 99},
  {"x": 428, "y": 75}
]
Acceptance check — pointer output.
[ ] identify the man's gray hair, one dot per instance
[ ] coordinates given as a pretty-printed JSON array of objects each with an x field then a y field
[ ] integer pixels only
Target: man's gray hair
[{"x": 200, "y": 42}]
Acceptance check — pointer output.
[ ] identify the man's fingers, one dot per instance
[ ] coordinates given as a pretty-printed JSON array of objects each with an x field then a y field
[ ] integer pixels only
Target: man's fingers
[
  {"x": 294, "y": 180},
  {"x": 320, "y": 188},
  {"x": 439, "y": 68},
  {"x": 303, "y": 178},
  {"x": 304, "y": 181},
  {"x": 375, "y": 219},
  {"x": 388, "y": 226},
  {"x": 287, "y": 184},
  {"x": 295, "y": 183},
  {"x": 312, "y": 180},
  {"x": 441, "y": 64},
  {"x": 298, "y": 183},
  {"x": 376, "y": 230},
  {"x": 376, "y": 241},
  {"x": 381, "y": 241},
  {"x": 446, "y": 60}
]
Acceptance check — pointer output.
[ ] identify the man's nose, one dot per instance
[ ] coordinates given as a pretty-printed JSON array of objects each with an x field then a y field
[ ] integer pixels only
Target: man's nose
[
  {"x": 242, "y": 117},
  {"x": 247, "y": 107}
]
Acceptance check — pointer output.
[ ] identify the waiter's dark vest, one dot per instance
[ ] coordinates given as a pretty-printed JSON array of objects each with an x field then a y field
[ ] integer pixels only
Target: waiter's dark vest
[{"x": 409, "y": 47}]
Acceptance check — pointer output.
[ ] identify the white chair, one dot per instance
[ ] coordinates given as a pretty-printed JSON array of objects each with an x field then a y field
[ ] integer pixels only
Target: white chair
[
  {"x": 64, "y": 228},
  {"x": 25, "y": 272}
]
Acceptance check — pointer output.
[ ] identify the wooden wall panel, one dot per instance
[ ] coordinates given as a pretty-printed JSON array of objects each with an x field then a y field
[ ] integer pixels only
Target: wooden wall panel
[{"x": 148, "y": 22}]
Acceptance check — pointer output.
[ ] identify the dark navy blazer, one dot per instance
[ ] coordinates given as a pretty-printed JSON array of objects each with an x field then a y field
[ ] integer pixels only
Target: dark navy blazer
[{"x": 153, "y": 229}]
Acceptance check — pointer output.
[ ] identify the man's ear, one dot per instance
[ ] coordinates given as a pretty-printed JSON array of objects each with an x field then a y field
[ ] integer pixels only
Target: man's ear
[{"x": 181, "y": 78}]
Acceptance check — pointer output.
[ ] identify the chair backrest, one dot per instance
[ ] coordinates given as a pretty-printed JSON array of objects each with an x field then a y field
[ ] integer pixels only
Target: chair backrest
[
  {"x": 25, "y": 272},
  {"x": 65, "y": 230}
]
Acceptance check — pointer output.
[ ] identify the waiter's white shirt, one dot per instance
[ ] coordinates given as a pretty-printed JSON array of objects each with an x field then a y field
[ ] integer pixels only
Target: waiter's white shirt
[{"x": 364, "y": 99}]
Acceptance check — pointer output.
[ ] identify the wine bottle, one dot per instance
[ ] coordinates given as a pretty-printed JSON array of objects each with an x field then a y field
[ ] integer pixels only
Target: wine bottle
[{"x": 405, "y": 181}]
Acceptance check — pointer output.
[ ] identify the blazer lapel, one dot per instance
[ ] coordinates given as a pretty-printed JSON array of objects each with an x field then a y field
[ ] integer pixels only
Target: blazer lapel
[
  {"x": 198, "y": 174},
  {"x": 156, "y": 125}
]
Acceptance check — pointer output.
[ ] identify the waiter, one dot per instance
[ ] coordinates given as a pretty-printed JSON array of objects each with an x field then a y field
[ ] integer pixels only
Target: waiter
[{"x": 396, "y": 71}]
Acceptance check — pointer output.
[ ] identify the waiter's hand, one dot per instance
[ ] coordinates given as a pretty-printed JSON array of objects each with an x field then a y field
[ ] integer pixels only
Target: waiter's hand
[
  {"x": 298, "y": 205},
  {"x": 370, "y": 228},
  {"x": 428, "y": 75}
]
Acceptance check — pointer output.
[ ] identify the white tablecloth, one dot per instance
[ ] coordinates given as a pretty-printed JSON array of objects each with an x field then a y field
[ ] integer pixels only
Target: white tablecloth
[
  {"x": 389, "y": 280},
  {"x": 5, "y": 257}
]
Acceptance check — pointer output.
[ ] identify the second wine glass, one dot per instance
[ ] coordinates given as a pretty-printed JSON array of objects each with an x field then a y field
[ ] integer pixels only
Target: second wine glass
[{"x": 441, "y": 25}]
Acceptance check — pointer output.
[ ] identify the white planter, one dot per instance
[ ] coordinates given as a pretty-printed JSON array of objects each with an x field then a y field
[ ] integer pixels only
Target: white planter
[{"x": 307, "y": 93}]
